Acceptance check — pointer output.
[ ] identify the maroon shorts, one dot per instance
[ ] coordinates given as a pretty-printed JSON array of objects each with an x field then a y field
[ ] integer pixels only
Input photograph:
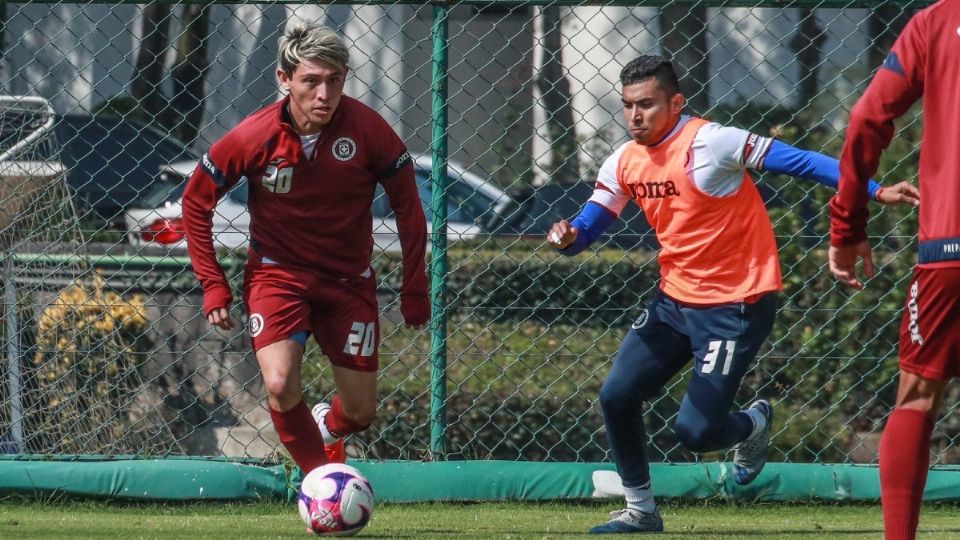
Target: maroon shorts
[
  {"x": 342, "y": 314},
  {"x": 930, "y": 331}
]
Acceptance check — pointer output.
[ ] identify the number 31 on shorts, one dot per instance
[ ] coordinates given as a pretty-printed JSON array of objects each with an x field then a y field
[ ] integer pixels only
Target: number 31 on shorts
[
  {"x": 361, "y": 335},
  {"x": 714, "y": 350}
]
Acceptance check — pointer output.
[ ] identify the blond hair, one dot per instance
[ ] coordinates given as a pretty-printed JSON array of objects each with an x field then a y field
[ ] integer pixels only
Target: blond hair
[{"x": 310, "y": 41}]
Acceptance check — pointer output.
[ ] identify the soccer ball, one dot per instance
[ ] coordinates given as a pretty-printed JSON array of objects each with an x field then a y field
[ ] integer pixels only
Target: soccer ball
[{"x": 335, "y": 500}]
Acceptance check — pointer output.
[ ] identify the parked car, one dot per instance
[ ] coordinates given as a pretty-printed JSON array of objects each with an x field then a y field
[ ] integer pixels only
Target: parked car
[
  {"x": 475, "y": 206},
  {"x": 112, "y": 161}
]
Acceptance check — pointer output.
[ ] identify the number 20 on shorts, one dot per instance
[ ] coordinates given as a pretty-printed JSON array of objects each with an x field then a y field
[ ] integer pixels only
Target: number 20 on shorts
[{"x": 360, "y": 340}]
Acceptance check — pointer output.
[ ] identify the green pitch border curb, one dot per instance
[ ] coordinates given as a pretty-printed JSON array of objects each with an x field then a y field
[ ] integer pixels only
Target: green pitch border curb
[{"x": 195, "y": 479}]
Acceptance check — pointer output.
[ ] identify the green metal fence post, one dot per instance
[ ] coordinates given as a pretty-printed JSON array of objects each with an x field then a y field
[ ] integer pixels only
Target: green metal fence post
[
  {"x": 13, "y": 353},
  {"x": 438, "y": 259}
]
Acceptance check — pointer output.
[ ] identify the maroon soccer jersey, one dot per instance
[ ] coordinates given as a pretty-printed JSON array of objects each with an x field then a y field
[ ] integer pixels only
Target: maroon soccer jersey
[
  {"x": 312, "y": 212},
  {"x": 923, "y": 62}
]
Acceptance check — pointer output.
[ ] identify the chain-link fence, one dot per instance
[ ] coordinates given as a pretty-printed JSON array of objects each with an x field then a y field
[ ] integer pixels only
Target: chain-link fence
[{"x": 106, "y": 349}]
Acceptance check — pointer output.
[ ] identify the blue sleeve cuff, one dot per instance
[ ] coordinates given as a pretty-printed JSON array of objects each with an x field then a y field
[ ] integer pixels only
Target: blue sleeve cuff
[
  {"x": 785, "y": 159},
  {"x": 590, "y": 224}
]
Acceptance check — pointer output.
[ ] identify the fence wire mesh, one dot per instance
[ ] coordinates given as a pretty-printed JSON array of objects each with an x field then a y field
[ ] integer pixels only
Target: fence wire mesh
[{"x": 106, "y": 348}]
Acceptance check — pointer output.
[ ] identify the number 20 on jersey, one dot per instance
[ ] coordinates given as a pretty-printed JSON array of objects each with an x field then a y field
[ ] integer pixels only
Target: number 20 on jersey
[{"x": 278, "y": 180}]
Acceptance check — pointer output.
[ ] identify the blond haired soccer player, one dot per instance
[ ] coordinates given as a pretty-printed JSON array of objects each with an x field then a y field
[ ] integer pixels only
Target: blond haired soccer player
[
  {"x": 313, "y": 161},
  {"x": 719, "y": 277}
]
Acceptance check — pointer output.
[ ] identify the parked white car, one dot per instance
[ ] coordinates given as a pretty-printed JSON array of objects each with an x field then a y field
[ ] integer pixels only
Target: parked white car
[{"x": 474, "y": 206}]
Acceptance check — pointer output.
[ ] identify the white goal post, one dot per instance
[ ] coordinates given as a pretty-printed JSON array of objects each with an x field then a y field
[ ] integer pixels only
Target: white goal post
[
  {"x": 29, "y": 165},
  {"x": 28, "y": 153}
]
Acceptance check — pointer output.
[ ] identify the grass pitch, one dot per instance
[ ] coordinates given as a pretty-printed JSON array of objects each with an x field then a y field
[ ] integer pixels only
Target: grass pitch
[{"x": 65, "y": 519}]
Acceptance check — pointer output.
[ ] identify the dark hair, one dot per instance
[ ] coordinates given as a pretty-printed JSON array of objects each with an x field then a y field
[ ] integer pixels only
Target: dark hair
[{"x": 645, "y": 67}]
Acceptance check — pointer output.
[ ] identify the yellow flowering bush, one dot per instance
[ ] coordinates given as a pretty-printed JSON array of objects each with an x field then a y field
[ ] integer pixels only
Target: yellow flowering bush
[{"x": 89, "y": 342}]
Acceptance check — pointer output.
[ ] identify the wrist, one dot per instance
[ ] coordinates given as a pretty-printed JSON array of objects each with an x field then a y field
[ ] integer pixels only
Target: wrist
[
  {"x": 216, "y": 297},
  {"x": 847, "y": 238},
  {"x": 416, "y": 310}
]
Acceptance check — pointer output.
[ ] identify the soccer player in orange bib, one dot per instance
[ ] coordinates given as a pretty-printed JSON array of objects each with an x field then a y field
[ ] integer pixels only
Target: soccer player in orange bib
[
  {"x": 923, "y": 62},
  {"x": 719, "y": 277}
]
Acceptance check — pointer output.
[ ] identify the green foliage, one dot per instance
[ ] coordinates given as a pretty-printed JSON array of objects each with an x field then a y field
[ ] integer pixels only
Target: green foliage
[
  {"x": 834, "y": 350},
  {"x": 531, "y": 282}
]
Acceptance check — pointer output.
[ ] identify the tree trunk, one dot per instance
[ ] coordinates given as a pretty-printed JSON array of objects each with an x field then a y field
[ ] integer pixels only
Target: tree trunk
[
  {"x": 3, "y": 50},
  {"x": 145, "y": 86},
  {"x": 807, "y": 44},
  {"x": 189, "y": 73},
  {"x": 883, "y": 26},
  {"x": 557, "y": 100},
  {"x": 683, "y": 37}
]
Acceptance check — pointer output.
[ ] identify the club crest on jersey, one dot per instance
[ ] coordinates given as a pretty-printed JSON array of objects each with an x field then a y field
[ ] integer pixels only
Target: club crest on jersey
[
  {"x": 344, "y": 148},
  {"x": 255, "y": 325},
  {"x": 641, "y": 320}
]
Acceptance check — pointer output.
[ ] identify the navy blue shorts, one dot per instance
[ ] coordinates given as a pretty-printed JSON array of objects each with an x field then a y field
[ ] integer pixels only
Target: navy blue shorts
[{"x": 723, "y": 341}]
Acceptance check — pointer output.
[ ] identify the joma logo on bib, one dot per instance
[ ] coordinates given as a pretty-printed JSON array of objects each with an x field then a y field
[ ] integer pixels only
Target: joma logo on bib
[{"x": 653, "y": 190}]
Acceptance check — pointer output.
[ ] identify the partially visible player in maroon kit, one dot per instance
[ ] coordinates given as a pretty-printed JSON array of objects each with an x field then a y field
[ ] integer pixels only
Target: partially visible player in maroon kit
[
  {"x": 313, "y": 161},
  {"x": 923, "y": 63}
]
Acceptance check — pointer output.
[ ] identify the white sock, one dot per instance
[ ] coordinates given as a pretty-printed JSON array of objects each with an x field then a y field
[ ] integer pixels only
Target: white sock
[
  {"x": 328, "y": 438},
  {"x": 759, "y": 421},
  {"x": 640, "y": 498}
]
